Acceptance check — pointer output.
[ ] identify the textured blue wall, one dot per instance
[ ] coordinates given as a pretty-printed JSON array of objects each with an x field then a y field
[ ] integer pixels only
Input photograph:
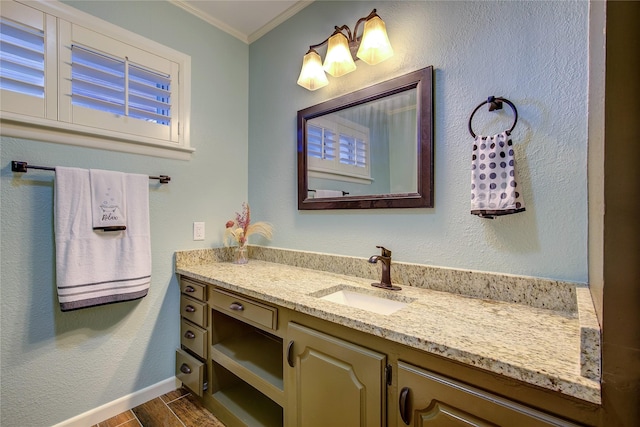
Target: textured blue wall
[
  {"x": 533, "y": 53},
  {"x": 57, "y": 365}
]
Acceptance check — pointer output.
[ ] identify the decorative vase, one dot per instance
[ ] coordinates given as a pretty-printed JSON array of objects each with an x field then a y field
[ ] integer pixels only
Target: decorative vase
[{"x": 241, "y": 254}]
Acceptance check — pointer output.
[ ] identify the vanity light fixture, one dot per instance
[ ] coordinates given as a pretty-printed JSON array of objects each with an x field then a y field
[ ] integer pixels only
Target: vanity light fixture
[{"x": 343, "y": 49}]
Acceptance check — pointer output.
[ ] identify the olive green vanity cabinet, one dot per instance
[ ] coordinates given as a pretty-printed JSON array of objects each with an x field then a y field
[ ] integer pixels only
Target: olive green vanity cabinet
[
  {"x": 427, "y": 399},
  {"x": 333, "y": 382},
  {"x": 258, "y": 364}
]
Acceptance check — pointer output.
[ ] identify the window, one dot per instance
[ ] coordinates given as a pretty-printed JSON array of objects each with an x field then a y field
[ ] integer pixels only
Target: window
[
  {"x": 91, "y": 83},
  {"x": 23, "y": 61},
  {"x": 22, "y": 68},
  {"x": 353, "y": 151},
  {"x": 321, "y": 143},
  {"x": 338, "y": 149}
]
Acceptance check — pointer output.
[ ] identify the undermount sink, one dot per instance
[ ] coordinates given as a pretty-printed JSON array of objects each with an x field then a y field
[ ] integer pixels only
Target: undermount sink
[{"x": 365, "y": 301}]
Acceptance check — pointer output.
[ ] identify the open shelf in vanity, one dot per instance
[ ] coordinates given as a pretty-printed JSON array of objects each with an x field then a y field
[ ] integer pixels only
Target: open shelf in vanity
[
  {"x": 241, "y": 402},
  {"x": 246, "y": 361},
  {"x": 253, "y": 355}
]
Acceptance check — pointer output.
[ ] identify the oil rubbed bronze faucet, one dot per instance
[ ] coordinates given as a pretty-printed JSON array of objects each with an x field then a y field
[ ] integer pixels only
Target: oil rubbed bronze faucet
[{"x": 385, "y": 259}]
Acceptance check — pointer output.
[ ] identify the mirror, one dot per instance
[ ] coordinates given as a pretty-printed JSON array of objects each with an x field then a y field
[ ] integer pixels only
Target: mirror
[{"x": 372, "y": 148}]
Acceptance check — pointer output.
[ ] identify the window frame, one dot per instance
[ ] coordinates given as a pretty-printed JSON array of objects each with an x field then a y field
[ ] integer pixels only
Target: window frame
[{"x": 56, "y": 124}]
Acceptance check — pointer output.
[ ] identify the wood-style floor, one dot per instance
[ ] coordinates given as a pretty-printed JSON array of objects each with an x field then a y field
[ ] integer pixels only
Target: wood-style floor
[{"x": 175, "y": 409}]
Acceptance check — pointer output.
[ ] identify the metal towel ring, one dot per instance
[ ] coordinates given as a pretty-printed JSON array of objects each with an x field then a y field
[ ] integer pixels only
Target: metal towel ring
[{"x": 495, "y": 103}]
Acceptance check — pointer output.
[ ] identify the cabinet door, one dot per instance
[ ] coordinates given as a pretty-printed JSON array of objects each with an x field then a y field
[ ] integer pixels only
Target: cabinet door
[
  {"x": 431, "y": 400},
  {"x": 332, "y": 382}
]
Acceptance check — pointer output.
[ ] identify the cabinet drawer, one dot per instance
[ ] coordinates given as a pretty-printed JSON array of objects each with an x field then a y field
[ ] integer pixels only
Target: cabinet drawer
[
  {"x": 194, "y": 338},
  {"x": 245, "y": 309},
  {"x": 194, "y": 289},
  {"x": 190, "y": 371},
  {"x": 194, "y": 310}
]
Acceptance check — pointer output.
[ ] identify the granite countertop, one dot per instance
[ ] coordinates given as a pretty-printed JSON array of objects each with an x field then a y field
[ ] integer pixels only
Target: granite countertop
[{"x": 534, "y": 345}]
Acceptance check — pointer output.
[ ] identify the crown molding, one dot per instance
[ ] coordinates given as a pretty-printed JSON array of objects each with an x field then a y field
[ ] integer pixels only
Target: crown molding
[
  {"x": 248, "y": 39},
  {"x": 210, "y": 19},
  {"x": 297, "y": 7}
]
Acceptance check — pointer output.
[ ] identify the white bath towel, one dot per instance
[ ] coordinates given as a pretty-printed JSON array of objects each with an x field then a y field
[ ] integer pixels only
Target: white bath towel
[
  {"x": 495, "y": 187},
  {"x": 95, "y": 267},
  {"x": 108, "y": 200},
  {"x": 328, "y": 193}
]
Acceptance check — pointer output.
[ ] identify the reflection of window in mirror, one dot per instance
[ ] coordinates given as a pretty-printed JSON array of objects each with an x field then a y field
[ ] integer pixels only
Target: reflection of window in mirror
[
  {"x": 369, "y": 148},
  {"x": 338, "y": 149}
]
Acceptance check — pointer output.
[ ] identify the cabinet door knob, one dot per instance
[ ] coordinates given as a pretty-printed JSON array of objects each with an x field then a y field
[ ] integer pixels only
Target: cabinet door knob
[
  {"x": 236, "y": 306},
  {"x": 405, "y": 405},
  {"x": 289, "y": 353},
  {"x": 189, "y": 289},
  {"x": 189, "y": 309},
  {"x": 189, "y": 335},
  {"x": 185, "y": 369}
]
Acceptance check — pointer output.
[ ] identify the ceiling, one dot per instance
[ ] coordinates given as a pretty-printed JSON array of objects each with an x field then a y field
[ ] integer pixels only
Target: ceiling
[{"x": 247, "y": 20}]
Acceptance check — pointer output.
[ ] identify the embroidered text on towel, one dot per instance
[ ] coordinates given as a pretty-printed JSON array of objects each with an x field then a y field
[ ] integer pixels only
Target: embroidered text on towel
[{"x": 108, "y": 200}]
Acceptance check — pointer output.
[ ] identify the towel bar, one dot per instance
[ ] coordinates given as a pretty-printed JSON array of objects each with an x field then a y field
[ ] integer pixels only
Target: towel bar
[{"x": 21, "y": 167}]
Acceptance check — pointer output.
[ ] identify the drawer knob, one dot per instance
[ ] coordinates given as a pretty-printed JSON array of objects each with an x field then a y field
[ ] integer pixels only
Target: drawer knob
[
  {"x": 236, "y": 306},
  {"x": 190, "y": 335},
  {"x": 189, "y": 289},
  {"x": 185, "y": 369},
  {"x": 189, "y": 309}
]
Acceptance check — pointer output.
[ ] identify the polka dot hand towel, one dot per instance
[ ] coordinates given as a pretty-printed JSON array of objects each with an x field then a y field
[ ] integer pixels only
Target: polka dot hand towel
[{"x": 494, "y": 181}]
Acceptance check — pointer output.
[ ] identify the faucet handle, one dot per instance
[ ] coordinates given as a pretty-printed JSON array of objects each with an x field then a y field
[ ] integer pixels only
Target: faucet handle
[{"x": 385, "y": 252}]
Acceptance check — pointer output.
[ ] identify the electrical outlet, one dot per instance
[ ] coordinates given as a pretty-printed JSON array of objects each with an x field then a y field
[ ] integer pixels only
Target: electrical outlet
[{"x": 198, "y": 231}]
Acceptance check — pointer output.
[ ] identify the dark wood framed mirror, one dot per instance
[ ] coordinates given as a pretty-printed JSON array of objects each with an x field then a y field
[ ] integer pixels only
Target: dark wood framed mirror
[{"x": 372, "y": 148}]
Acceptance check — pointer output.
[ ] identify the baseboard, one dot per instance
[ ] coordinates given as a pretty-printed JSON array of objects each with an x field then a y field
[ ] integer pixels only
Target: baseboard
[{"x": 113, "y": 408}]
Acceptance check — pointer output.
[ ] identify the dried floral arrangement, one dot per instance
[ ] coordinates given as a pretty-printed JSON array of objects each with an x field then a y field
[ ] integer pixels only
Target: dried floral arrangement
[{"x": 241, "y": 228}]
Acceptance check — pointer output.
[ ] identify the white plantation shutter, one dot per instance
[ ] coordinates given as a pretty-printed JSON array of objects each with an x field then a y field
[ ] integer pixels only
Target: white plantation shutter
[
  {"x": 149, "y": 95},
  {"x": 338, "y": 149},
  {"x": 353, "y": 151},
  {"x": 117, "y": 86},
  {"x": 22, "y": 58},
  {"x": 321, "y": 143},
  {"x": 27, "y": 57},
  {"x": 98, "y": 81},
  {"x": 90, "y": 84}
]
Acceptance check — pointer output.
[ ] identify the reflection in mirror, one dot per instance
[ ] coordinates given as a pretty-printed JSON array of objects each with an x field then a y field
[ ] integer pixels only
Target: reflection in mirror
[
  {"x": 350, "y": 151},
  {"x": 368, "y": 149}
]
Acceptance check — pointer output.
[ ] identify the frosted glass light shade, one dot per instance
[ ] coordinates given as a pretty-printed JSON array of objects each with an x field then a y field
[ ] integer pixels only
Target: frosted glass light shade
[
  {"x": 339, "y": 60},
  {"x": 375, "y": 46},
  {"x": 312, "y": 75}
]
